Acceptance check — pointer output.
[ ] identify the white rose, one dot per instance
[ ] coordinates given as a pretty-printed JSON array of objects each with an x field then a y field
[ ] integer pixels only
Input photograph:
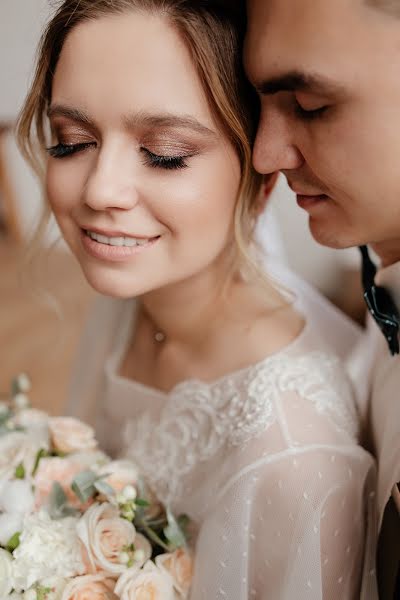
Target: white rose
[
  {"x": 105, "y": 534},
  {"x": 18, "y": 447},
  {"x": 17, "y": 497},
  {"x": 10, "y": 524},
  {"x": 6, "y": 576},
  {"x": 47, "y": 549},
  {"x": 148, "y": 582},
  {"x": 71, "y": 435}
]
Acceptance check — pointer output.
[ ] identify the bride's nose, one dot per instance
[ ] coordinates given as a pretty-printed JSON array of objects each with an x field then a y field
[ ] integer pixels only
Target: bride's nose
[{"x": 113, "y": 182}]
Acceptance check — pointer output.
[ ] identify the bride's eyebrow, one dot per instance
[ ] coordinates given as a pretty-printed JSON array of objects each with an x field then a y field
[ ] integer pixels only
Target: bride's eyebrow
[
  {"x": 141, "y": 119},
  {"x": 167, "y": 121},
  {"x": 58, "y": 110}
]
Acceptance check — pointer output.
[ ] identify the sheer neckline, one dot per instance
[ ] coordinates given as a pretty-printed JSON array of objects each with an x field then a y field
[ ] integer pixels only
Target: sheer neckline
[{"x": 124, "y": 335}]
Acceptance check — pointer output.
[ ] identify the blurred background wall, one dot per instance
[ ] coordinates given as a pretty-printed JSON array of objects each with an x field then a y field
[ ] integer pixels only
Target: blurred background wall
[{"x": 21, "y": 22}]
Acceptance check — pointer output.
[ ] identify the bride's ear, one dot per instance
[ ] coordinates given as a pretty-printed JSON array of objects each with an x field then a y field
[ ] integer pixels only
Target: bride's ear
[{"x": 265, "y": 192}]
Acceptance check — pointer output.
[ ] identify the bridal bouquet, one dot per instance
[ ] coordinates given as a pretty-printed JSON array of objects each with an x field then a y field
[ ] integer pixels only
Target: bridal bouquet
[{"x": 76, "y": 525}]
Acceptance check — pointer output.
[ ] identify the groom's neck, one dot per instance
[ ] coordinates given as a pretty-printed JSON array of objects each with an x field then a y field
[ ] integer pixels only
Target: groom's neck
[{"x": 388, "y": 252}]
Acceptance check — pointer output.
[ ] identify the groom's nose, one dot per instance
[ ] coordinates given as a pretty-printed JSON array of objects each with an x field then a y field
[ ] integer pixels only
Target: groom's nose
[{"x": 274, "y": 148}]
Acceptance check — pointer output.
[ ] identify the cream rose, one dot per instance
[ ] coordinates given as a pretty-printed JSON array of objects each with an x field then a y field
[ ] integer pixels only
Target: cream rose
[
  {"x": 70, "y": 435},
  {"x": 90, "y": 587},
  {"x": 105, "y": 535},
  {"x": 119, "y": 474},
  {"x": 6, "y": 578},
  {"x": 179, "y": 565},
  {"x": 148, "y": 583}
]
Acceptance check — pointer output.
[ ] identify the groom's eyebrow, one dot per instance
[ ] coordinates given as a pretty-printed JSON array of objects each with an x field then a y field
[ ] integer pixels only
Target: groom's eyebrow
[{"x": 295, "y": 81}]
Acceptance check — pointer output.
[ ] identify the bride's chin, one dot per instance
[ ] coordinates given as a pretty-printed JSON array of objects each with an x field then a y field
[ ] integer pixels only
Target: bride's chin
[{"x": 107, "y": 285}]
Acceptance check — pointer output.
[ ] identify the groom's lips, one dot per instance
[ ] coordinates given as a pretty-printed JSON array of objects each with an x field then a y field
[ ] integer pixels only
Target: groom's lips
[{"x": 307, "y": 201}]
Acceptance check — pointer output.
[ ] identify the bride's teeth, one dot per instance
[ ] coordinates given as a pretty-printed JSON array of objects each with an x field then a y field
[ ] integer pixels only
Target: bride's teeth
[
  {"x": 101, "y": 238},
  {"x": 130, "y": 242},
  {"x": 116, "y": 241}
]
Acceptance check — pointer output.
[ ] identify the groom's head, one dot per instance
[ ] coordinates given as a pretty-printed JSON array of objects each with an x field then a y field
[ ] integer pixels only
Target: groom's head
[{"x": 328, "y": 74}]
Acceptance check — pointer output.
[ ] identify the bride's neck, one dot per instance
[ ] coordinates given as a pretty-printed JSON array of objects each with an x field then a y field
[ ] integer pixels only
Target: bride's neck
[{"x": 187, "y": 312}]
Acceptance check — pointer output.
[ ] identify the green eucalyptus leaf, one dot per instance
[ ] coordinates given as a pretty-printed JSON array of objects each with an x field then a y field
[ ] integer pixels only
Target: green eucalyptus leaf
[
  {"x": 173, "y": 532},
  {"x": 103, "y": 488},
  {"x": 42, "y": 592},
  {"x": 58, "y": 506},
  {"x": 57, "y": 497},
  {"x": 84, "y": 485},
  {"x": 13, "y": 542},
  {"x": 83, "y": 493},
  {"x": 42, "y": 453},
  {"x": 20, "y": 471},
  {"x": 142, "y": 502}
]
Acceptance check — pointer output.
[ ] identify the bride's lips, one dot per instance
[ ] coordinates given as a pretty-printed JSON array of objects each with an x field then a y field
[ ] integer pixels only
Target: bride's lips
[{"x": 113, "y": 253}]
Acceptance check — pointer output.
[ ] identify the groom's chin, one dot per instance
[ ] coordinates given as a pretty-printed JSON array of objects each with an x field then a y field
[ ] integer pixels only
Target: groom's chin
[{"x": 327, "y": 235}]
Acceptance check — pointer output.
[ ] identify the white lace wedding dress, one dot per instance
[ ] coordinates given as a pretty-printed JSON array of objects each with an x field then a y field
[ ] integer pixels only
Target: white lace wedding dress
[{"x": 265, "y": 461}]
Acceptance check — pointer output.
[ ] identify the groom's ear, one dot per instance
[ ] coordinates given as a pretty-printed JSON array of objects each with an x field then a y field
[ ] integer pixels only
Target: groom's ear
[{"x": 265, "y": 192}]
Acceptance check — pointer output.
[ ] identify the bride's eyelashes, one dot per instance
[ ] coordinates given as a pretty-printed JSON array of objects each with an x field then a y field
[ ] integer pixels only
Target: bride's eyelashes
[
  {"x": 150, "y": 159},
  {"x": 165, "y": 161},
  {"x": 63, "y": 150}
]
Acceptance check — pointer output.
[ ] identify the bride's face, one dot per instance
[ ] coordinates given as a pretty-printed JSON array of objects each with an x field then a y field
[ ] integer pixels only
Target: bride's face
[{"x": 141, "y": 180}]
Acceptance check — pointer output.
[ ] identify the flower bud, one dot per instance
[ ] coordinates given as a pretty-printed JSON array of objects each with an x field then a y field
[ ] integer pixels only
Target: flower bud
[
  {"x": 21, "y": 401},
  {"x": 138, "y": 556},
  {"x": 23, "y": 382},
  {"x": 129, "y": 492}
]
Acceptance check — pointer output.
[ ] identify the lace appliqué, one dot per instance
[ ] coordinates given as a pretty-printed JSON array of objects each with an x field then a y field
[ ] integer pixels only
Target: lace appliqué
[{"x": 199, "y": 418}]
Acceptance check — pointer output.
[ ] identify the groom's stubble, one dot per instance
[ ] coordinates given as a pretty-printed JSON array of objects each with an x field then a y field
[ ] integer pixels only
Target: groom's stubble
[{"x": 328, "y": 77}]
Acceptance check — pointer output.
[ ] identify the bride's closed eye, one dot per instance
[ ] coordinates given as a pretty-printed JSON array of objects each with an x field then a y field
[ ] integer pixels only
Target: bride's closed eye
[
  {"x": 61, "y": 150},
  {"x": 168, "y": 162}
]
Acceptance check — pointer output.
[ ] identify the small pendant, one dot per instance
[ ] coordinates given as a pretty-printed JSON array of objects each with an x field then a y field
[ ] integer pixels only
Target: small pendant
[{"x": 159, "y": 336}]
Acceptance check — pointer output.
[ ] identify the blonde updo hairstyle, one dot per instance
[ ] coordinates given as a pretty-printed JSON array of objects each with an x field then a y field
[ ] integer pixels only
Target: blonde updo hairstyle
[{"x": 213, "y": 33}]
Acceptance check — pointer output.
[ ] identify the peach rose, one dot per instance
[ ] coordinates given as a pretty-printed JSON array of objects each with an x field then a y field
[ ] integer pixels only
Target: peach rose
[
  {"x": 70, "y": 435},
  {"x": 105, "y": 536},
  {"x": 59, "y": 470},
  {"x": 148, "y": 583},
  {"x": 90, "y": 587},
  {"x": 179, "y": 565}
]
